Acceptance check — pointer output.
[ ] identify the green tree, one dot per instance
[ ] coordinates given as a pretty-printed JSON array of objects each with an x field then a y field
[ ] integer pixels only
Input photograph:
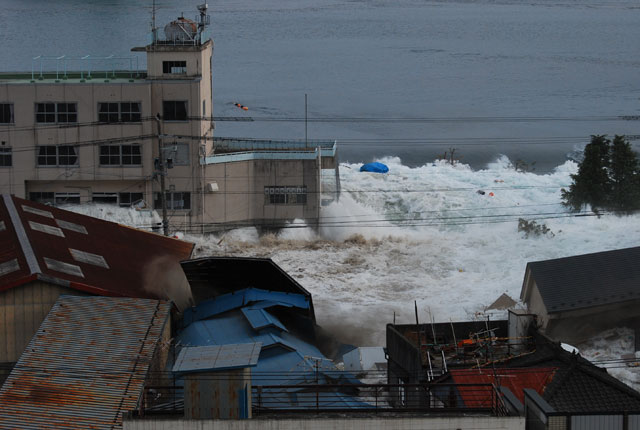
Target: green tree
[
  {"x": 591, "y": 184},
  {"x": 625, "y": 176},
  {"x": 608, "y": 177}
]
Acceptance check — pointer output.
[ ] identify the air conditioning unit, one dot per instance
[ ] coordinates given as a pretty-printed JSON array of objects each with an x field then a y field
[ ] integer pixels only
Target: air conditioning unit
[{"x": 212, "y": 187}]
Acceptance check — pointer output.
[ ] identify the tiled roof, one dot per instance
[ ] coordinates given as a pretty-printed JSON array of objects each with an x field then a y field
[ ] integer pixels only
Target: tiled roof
[
  {"x": 587, "y": 280},
  {"x": 86, "y": 364},
  {"x": 578, "y": 385},
  {"x": 84, "y": 253}
]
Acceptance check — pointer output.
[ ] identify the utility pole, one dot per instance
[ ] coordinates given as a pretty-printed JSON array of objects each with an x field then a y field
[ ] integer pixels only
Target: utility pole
[{"x": 162, "y": 171}]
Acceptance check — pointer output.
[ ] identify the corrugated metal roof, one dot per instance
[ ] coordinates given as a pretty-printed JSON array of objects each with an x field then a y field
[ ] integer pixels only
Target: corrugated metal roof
[
  {"x": 217, "y": 357},
  {"x": 86, "y": 364},
  {"x": 118, "y": 260},
  {"x": 226, "y": 302},
  {"x": 259, "y": 319},
  {"x": 588, "y": 280}
]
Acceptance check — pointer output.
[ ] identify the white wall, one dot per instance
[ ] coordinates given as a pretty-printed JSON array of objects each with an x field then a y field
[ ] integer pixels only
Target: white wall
[{"x": 312, "y": 423}]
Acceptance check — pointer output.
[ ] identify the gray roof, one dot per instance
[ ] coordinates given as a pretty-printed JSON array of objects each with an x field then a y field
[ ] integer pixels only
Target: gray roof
[
  {"x": 588, "y": 280},
  {"x": 85, "y": 365},
  {"x": 217, "y": 357}
]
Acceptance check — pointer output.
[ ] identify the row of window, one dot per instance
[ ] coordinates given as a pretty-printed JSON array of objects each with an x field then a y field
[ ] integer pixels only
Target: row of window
[
  {"x": 175, "y": 200},
  {"x": 286, "y": 195},
  {"x": 108, "y": 112},
  {"x": 110, "y": 155}
]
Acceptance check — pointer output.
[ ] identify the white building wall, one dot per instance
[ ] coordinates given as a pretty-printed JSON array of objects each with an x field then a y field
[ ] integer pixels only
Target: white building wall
[{"x": 312, "y": 423}]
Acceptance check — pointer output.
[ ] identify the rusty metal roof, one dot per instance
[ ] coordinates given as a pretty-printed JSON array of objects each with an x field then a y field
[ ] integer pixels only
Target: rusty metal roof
[
  {"x": 86, "y": 364},
  {"x": 84, "y": 253}
]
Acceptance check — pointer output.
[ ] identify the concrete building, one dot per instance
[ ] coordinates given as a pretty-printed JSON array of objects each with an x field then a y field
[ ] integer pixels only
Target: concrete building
[
  {"x": 579, "y": 296},
  {"x": 96, "y": 136}
]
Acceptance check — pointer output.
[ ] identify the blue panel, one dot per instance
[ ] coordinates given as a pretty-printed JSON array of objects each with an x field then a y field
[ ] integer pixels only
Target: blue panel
[
  {"x": 259, "y": 319},
  {"x": 237, "y": 299},
  {"x": 217, "y": 357},
  {"x": 265, "y": 304}
]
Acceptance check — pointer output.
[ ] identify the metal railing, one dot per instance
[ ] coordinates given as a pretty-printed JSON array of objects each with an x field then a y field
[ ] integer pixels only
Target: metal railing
[{"x": 346, "y": 398}]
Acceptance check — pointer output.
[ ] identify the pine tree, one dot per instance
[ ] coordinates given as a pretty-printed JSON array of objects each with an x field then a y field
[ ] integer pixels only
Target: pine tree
[
  {"x": 591, "y": 184},
  {"x": 625, "y": 176}
]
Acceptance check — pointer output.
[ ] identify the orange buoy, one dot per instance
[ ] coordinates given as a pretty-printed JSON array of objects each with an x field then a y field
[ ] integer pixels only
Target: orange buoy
[
  {"x": 491, "y": 194},
  {"x": 245, "y": 108}
]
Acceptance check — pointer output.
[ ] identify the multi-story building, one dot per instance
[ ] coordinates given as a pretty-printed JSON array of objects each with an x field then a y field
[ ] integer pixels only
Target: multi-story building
[{"x": 95, "y": 136}]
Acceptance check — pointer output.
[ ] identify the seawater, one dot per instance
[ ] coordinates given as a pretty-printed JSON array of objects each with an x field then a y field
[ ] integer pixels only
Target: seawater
[{"x": 384, "y": 59}]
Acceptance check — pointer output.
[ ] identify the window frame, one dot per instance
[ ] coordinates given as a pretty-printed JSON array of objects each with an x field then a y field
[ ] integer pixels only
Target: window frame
[
  {"x": 57, "y": 156},
  {"x": 285, "y": 195},
  {"x": 6, "y": 153},
  {"x": 12, "y": 119},
  {"x": 170, "y": 196},
  {"x": 167, "y": 67},
  {"x": 120, "y": 114},
  {"x": 174, "y": 118},
  {"x": 59, "y": 111},
  {"x": 120, "y": 155}
]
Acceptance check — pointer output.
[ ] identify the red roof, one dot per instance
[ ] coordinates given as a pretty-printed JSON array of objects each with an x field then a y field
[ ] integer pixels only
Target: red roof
[
  {"x": 516, "y": 380},
  {"x": 85, "y": 253}
]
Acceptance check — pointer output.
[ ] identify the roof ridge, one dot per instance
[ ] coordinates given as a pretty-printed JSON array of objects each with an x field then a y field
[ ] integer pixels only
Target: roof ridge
[{"x": 27, "y": 250}]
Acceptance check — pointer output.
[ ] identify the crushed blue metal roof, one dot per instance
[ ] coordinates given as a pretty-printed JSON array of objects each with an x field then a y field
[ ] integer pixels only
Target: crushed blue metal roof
[
  {"x": 286, "y": 358},
  {"x": 217, "y": 357},
  {"x": 237, "y": 299}
]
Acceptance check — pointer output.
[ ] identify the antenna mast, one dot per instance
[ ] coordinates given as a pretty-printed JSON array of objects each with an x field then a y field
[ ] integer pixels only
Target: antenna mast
[{"x": 153, "y": 23}]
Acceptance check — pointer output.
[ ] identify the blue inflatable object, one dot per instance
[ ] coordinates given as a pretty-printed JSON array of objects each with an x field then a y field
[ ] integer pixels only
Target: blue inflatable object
[{"x": 374, "y": 167}]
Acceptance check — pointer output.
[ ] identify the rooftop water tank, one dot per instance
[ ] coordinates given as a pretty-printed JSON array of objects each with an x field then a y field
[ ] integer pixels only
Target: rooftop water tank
[{"x": 182, "y": 29}]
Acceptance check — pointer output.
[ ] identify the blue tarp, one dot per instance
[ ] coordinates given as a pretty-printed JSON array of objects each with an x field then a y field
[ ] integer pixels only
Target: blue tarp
[{"x": 374, "y": 167}]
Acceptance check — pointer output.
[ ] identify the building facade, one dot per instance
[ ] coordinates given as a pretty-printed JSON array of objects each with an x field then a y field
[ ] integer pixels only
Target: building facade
[{"x": 96, "y": 136}]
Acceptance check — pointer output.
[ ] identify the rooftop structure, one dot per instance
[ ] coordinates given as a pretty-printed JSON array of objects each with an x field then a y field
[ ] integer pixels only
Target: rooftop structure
[
  {"x": 591, "y": 292},
  {"x": 46, "y": 251},
  {"x": 86, "y": 365}
]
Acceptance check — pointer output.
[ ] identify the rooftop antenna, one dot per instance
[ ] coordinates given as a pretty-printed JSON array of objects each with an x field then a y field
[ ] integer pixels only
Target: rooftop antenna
[
  {"x": 154, "y": 30},
  {"x": 203, "y": 19}
]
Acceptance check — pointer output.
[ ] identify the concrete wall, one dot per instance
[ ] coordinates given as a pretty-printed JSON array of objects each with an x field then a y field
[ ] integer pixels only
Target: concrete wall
[
  {"x": 314, "y": 423},
  {"x": 22, "y": 310}
]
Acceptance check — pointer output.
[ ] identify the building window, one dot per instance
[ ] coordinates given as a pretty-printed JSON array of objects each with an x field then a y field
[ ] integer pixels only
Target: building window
[
  {"x": 119, "y": 112},
  {"x": 42, "y": 197},
  {"x": 61, "y": 155},
  {"x": 67, "y": 198},
  {"x": 5, "y": 156},
  {"x": 129, "y": 199},
  {"x": 285, "y": 195},
  {"x": 6, "y": 113},
  {"x": 54, "y": 198},
  {"x": 120, "y": 155},
  {"x": 108, "y": 198},
  {"x": 174, "y": 110},
  {"x": 174, "y": 67},
  {"x": 56, "y": 113},
  {"x": 178, "y": 153},
  {"x": 174, "y": 200}
]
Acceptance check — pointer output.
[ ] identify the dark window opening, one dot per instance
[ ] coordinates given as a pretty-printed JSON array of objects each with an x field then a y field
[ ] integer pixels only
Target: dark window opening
[
  {"x": 6, "y": 113},
  {"x": 174, "y": 110},
  {"x": 175, "y": 200},
  {"x": 108, "y": 198},
  {"x": 174, "y": 67},
  {"x": 128, "y": 199},
  {"x": 120, "y": 155},
  {"x": 41, "y": 197},
  {"x": 286, "y": 195},
  {"x": 62, "y": 155},
  {"x": 5, "y": 156},
  {"x": 119, "y": 112}
]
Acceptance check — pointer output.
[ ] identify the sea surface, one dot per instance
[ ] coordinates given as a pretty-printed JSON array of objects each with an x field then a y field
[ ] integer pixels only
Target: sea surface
[{"x": 409, "y": 78}]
